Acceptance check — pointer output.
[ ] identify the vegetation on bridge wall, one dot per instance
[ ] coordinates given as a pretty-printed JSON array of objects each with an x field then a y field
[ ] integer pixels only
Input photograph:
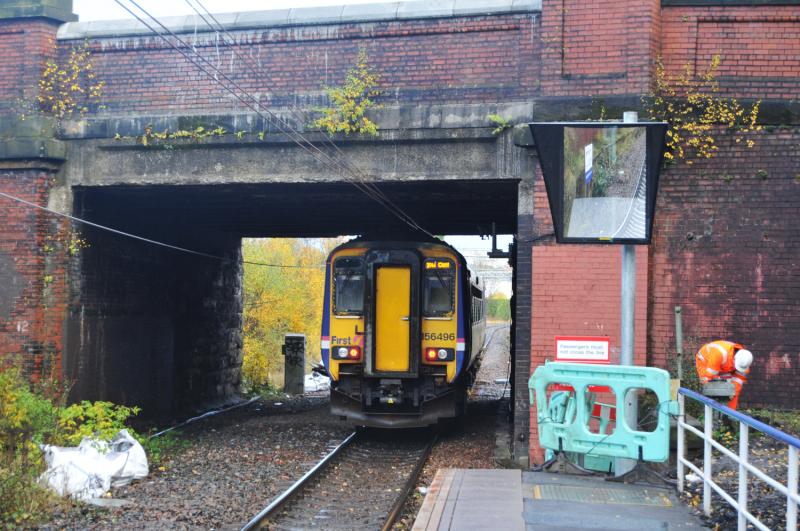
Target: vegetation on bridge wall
[
  {"x": 690, "y": 103},
  {"x": 351, "y": 101}
]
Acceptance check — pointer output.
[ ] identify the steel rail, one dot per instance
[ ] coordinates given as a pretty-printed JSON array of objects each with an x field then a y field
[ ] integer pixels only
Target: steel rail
[
  {"x": 409, "y": 486},
  {"x": 297, "y": 485}
]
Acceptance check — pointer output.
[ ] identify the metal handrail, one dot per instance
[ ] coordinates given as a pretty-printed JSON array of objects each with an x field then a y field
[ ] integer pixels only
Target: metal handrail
[
  {"x": 745, "y": 423},
  {"x": 775, "y": 433}
]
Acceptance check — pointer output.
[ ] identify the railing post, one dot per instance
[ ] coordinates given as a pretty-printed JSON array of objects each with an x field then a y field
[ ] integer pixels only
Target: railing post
[
  {"x": 681, "y": 444},
  {"x": 708, "y": 434},
  {"x": 791, "y": 486},
  {"x": 744, "y": 436}
]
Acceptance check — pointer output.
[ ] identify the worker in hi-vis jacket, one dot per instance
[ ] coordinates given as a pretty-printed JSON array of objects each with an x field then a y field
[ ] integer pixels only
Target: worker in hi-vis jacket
[{"x": 724, "y": 360}]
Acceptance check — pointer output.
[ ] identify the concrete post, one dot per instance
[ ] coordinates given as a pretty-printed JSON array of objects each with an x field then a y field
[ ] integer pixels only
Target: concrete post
[{"x": 294, "y": 351}]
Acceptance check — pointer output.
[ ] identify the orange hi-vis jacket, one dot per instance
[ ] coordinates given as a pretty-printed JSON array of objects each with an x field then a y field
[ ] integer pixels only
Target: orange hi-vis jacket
[{"x": 715, "y": 361}]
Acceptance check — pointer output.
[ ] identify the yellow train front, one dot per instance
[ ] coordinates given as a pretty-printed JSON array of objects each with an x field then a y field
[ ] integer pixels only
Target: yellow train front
[{"x": 402, "y": 329}]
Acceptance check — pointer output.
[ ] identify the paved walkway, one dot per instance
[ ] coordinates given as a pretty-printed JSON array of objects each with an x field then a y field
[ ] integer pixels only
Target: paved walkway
[{"x": 512, "y": 500}]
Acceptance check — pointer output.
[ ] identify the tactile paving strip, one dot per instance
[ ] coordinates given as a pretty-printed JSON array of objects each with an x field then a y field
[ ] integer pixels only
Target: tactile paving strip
[{"x": 601, "y": 495}]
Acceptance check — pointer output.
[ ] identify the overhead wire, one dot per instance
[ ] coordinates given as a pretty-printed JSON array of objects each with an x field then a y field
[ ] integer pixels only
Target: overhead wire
[
  {"x": 292, "y": 133},
  {"x": 299, "y": 113},
  {"x": 276, "y": 120},
  {"x": 149, "y": 240}
]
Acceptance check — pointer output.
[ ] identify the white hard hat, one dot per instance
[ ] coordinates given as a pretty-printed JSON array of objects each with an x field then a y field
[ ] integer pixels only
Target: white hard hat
[{"x": 742, "y": 360}]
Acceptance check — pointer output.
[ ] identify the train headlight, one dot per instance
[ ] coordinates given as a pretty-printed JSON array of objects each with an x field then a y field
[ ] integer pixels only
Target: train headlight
[
  {"x": 439, "y": 354},
  {"x": 350, "y": 353}
]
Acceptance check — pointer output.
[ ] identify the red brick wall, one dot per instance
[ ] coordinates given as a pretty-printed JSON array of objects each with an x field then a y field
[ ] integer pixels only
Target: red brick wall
[
  {"x": 726, "y": 248},
  {"x": 33, "y": 275},
  {"x": 600, "y": 47},
  {"x": 33, "y": 259},
  {"x": 24, "y": 47},
  {"x": 759, "y": 47},
  {"x": 733, "y": 277},
  {"x": 576, "y": 291},
  {"x": 461, "y": 60}
]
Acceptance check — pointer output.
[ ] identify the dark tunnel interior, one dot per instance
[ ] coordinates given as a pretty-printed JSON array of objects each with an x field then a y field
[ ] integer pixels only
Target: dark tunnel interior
[{"x": 161, "y": 328}]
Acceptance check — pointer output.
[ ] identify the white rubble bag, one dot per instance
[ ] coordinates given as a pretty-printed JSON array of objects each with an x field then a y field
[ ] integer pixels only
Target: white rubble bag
[
  {"x": 316, "y": 382},
  {"x": 91, "y": 469}
]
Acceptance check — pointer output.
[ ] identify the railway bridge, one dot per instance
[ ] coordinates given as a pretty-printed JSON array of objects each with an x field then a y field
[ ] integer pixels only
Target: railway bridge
[{"x": 133, "y": 322}]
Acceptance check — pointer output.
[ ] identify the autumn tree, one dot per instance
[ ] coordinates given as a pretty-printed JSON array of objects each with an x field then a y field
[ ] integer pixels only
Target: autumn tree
[
  {"x": 499, "y": 307},
  {"x": 281, "y": 300}
]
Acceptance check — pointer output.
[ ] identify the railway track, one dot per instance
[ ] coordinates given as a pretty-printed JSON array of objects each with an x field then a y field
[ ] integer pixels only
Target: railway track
[{"x": 361, "y": 484}]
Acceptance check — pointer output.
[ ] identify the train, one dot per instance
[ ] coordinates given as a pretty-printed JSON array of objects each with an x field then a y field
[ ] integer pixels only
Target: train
[{"x": 403, "y": 328}]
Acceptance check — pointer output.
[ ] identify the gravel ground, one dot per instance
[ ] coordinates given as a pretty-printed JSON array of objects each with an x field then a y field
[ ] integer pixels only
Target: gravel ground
[
  {"x": 764, "y": 502},
  {"x": 236, "y": 463},
  {"x": 494, "y": 371},
  {"x": 360, "y": 488},
  {"x": 470, "y": 443}
]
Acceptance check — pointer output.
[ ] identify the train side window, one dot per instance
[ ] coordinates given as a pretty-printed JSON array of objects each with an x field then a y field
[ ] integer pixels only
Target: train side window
[
  {"x": 437, "y": 287},
  {"x": 348, "y": 286}
]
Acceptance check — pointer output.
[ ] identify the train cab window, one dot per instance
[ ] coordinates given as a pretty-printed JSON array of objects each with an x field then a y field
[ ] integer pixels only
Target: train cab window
[
  {"x": 438, "y": 287},
  {"x": 348, "y": 286}
]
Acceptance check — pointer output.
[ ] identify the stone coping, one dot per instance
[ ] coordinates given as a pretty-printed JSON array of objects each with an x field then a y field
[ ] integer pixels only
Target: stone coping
[
  {"x": 306, "y": 16},
  {"x": 405, "y": 117},
  {"x": 449, "y": 116},
  {"x": 58, "y": 10}
]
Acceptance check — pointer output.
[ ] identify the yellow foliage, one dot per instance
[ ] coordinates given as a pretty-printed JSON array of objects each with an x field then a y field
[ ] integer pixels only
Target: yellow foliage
[
  {"x": 693, "y": 108},
  {"x": 12, "y": 414},
  {"x": 67, "y": 89},
  {"x": 278, "y": 301},
  {"x": 352, "y": 100},
  {"x": 99, "y": 419}
]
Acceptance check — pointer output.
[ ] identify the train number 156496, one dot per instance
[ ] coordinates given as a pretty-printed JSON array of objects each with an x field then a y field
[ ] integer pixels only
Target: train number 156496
[{"x": 438, "y": 337}]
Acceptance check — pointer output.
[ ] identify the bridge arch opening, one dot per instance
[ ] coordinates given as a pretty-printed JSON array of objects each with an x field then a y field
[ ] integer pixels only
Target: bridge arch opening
[{"x": 161, "y": 327}]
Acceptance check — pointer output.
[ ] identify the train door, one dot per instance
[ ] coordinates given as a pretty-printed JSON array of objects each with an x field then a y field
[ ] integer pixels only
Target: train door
[
  {"x": 392, "y": 326},
  {"x": 392, "y": 318}
]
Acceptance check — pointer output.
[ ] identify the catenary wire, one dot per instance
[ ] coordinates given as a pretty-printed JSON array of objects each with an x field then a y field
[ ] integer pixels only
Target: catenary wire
[
  {"x": 276, "y": 120},
  {"x": 151, "y": 241},
  {"x": 296, "y": 111},
  {"x": 364, "y": 187},
  {"x": 299, "y": 113}
]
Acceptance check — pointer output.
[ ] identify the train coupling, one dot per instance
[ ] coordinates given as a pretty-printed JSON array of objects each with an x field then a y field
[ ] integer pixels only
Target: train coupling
[{"x": 390, "y": 391}]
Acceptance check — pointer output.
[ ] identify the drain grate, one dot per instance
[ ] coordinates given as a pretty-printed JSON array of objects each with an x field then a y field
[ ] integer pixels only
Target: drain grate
[{"x": 601, "y": 495}]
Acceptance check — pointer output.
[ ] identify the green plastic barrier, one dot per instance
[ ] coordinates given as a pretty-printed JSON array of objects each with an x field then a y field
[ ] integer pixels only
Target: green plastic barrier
[{"x": 572, "y": 430}]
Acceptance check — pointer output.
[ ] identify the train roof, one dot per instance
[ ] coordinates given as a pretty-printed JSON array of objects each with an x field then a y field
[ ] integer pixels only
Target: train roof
[
  {"x": 401, "y": 239},
  {"x": 406, "y": 239}
]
